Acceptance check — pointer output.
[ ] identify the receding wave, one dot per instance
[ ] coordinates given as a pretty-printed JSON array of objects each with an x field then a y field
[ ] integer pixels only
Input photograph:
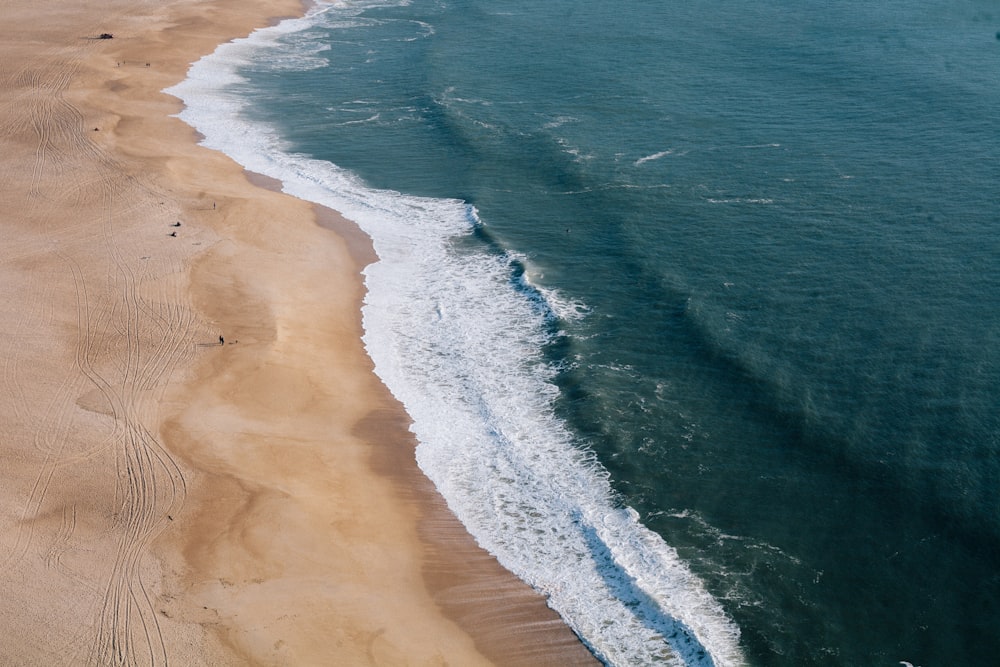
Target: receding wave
[{"x": 459, "y": 341}]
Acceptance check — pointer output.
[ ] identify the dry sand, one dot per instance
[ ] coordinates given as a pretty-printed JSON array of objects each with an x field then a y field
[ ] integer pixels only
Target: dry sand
[{"x": 165, "y": 498}]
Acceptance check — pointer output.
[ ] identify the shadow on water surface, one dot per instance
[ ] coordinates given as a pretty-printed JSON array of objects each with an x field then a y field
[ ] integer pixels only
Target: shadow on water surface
[{"x": 645, "y": 609}]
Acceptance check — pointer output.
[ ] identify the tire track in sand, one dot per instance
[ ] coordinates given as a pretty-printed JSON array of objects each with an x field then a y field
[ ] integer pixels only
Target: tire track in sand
[
  {"x": 151, "y": 485},
  {"x": 127, "y": 346}
]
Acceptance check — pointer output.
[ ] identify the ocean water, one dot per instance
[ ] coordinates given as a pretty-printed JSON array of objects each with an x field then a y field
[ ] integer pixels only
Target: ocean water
[{"x": 695, "y": 306}]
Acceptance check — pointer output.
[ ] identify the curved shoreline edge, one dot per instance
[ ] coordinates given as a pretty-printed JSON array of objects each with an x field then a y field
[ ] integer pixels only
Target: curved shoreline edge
[{"x": 202, "y": 466}]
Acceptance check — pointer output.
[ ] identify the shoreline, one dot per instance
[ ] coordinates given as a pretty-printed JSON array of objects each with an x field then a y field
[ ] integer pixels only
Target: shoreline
[{"x": 179, "y": 499}]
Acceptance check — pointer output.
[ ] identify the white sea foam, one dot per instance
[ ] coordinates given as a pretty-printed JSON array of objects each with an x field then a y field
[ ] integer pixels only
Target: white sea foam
[
  {"x": 654, "y": 156},
  {"x": 558, "y": 122},
  {"x": 460, "y": 345},
  {"x": 741, "y": 200}
]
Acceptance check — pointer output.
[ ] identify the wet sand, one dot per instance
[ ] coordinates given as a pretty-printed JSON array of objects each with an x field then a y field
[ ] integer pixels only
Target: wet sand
[{"x": 166, "y": 496}]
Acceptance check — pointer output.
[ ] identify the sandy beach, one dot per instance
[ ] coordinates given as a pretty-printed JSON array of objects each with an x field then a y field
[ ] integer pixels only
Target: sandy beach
[{"x": 197, "y": 464}]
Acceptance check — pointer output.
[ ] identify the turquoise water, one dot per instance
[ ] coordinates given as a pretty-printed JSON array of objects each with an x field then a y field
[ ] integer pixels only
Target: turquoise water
[{"x": 723, "y": 271}]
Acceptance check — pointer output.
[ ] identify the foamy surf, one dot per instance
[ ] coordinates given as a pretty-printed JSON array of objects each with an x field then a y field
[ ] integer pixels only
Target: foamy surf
[{"x": 461, "y": 346}]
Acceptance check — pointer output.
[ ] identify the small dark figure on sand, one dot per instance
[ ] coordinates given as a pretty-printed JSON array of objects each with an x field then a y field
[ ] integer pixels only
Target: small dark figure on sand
[
  {"x": 222, "y": 341},
  {"x": 174, "y": 234}
]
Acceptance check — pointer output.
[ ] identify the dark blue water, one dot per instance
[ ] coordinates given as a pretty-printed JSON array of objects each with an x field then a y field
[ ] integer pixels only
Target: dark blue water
[{"x": 762, "y": 238}]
